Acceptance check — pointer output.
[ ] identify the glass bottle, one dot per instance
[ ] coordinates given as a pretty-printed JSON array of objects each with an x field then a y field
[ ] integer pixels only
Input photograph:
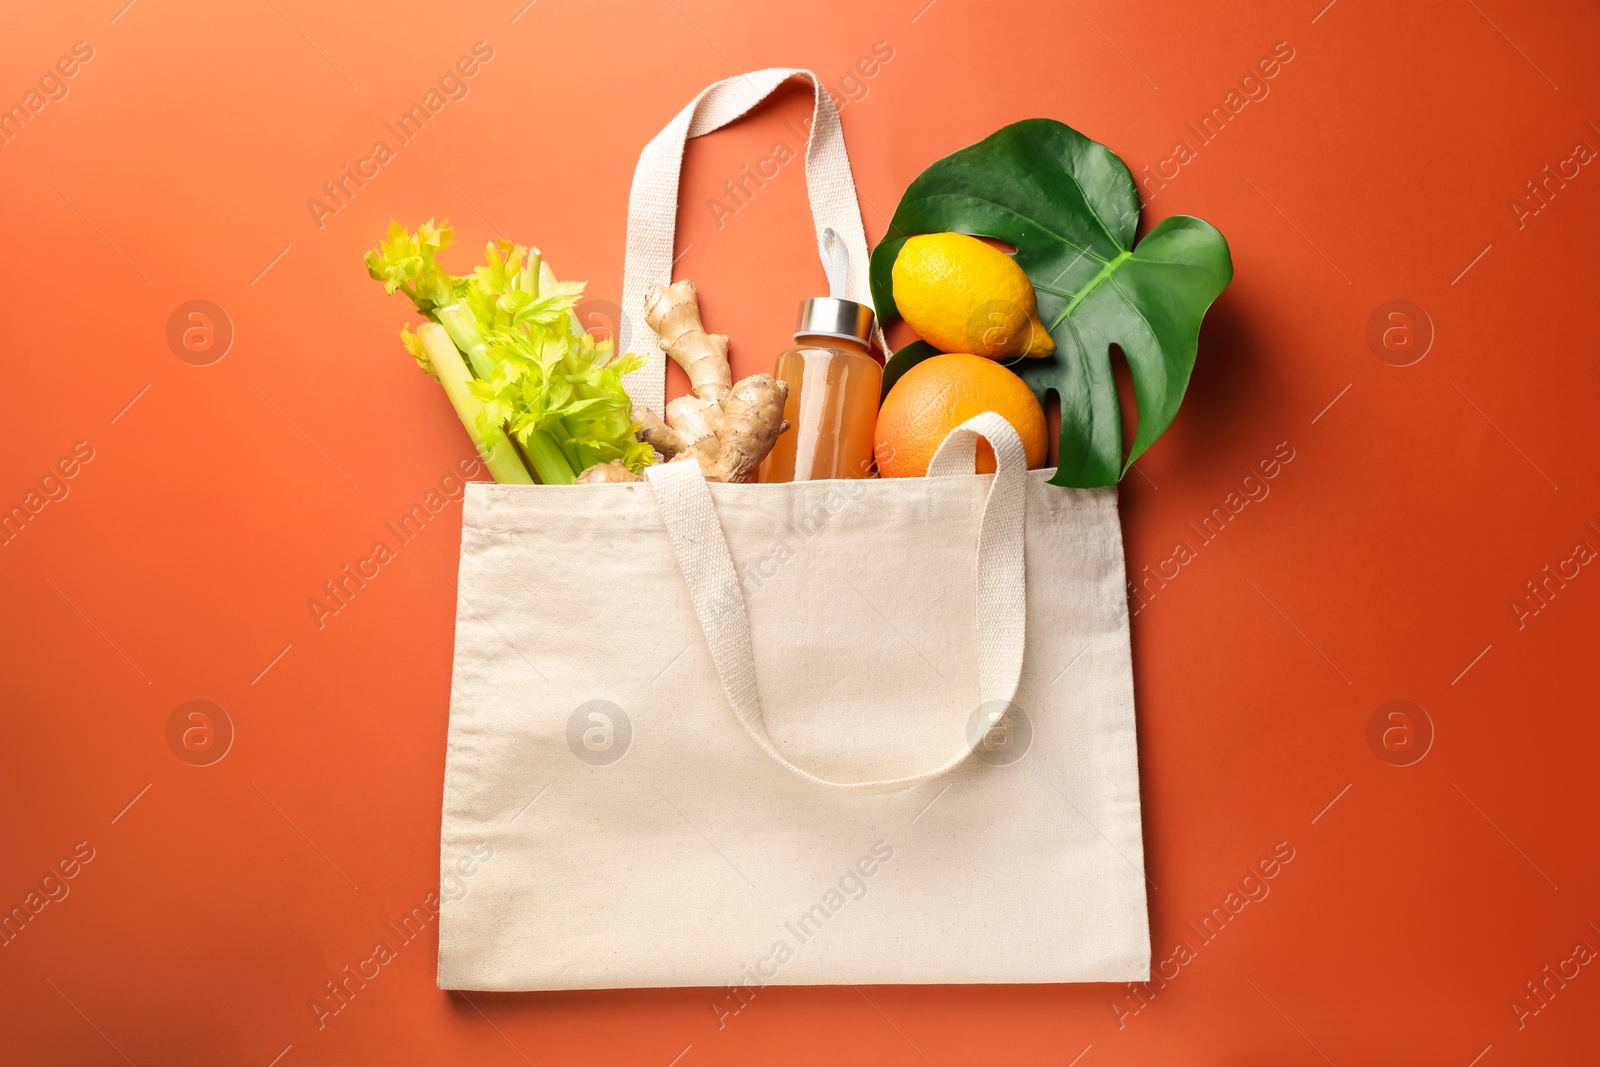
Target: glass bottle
[{"x": 834, "y": 385}]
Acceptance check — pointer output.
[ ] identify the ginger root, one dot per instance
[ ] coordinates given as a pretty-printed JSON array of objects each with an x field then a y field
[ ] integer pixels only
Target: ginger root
[
  {"x": 601, "y": 473},
  {"x": 727, "y": 427}
]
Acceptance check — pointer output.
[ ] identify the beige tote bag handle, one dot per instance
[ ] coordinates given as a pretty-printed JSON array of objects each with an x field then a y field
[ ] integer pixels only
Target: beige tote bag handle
[
  {"x": 702, "y": 551},
  {"x": 653, "y": 210}
]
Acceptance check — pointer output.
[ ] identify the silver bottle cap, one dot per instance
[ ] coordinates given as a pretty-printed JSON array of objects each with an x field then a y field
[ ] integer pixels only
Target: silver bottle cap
[{"x": 827, "y": 316}]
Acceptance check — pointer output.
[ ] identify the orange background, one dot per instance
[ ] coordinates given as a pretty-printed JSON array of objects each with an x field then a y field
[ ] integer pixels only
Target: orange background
[{"x": 1382, "y": 165}]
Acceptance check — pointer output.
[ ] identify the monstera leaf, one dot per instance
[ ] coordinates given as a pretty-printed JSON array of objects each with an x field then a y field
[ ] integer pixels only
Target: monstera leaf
[{"x": 1070, "y": 208}]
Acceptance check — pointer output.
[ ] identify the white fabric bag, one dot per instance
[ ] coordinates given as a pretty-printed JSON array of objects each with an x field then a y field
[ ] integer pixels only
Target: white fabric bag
[{"x": 739, "y": 735}]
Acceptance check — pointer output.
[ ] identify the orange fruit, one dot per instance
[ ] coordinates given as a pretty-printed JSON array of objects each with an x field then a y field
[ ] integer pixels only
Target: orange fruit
[{"x": 941, "y": 393}]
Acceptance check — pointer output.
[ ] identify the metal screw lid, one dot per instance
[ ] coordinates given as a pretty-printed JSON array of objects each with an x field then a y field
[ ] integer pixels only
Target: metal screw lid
[{"x": 828, "y": 316}]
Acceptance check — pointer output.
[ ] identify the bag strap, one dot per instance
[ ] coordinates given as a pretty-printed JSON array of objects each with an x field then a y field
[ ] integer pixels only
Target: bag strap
[
  {"x": 653, "y": 209},
  {"x": 702, "y": 552}
]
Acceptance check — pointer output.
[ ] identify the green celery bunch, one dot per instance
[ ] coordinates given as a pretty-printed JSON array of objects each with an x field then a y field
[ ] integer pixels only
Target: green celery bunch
[{"x": 535, "y": 371}]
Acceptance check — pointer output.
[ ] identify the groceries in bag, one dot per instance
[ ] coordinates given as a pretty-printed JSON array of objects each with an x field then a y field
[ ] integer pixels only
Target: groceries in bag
[{"x": 543, "y": 401}]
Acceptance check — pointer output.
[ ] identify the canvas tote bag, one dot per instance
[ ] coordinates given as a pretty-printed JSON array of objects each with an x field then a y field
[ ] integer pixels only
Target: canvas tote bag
[{"x": 871, "y": 731}]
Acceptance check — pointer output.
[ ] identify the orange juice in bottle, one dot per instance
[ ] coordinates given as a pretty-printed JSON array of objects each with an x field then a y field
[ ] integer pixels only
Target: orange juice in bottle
[{"x": 834, "y": 382}]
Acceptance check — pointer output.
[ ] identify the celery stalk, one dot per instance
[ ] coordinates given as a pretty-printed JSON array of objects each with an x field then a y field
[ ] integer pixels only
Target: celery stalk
[
  {"x": 548, "y": 461},
  {"x": 555, "y": 392},
  {"x": 462, "y": 326},
  {"x": 494, "y": 446}
]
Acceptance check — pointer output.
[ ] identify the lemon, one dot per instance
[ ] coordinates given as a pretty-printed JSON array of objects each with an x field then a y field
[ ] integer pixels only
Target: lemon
[{"x": 962, "y": 295}]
